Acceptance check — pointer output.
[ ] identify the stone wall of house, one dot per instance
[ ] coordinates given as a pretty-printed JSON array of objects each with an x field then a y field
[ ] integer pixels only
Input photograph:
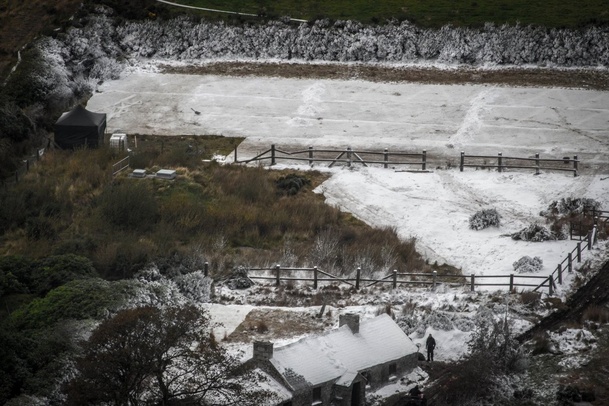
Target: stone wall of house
[{"x": 379, "y": 375}]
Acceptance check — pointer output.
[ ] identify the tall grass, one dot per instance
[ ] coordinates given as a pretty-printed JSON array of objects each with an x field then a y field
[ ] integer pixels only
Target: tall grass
[{"x": 230, "y": 215}]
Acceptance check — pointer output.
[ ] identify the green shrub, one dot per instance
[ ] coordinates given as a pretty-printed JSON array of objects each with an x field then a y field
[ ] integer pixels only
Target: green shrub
[
  {"x": 15, "y": 274},
  {"x": 52, "y": 272},
  {"x": 79, "y": 299}
]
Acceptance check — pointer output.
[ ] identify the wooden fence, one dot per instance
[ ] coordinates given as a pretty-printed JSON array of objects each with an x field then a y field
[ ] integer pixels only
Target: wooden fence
[
  {"x": 347, "y": 156},
  {"x": 506, "y": 162},
  {"x": 120, "y": 166},
  {"x": 567, "y": 264},
  {"x": 23, "y": 168},
  {"x": 388, "y": 159},
  {"x": 280, "y": 274}
]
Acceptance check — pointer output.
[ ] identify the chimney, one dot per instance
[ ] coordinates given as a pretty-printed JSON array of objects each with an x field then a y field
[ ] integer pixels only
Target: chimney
[
  {"x": 263, "y": 350},
  {"x": 351, "y": 320}
]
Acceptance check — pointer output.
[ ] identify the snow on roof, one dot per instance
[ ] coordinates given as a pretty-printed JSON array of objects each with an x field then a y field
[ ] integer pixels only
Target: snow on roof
[
  {"x": 331, "y": 355},
  {"x": 267, "y": 382}
]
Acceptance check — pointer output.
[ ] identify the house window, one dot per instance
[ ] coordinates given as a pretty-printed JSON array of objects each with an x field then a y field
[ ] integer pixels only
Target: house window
[{"x": 393, "y": 369}]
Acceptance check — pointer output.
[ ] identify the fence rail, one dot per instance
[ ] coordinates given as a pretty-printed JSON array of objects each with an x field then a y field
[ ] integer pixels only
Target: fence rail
[
  {"x": 279, "y": 274},
  {"x": 120, "y": 166},
  {"x": 508, "y": 162},
  {"x": 23, "y": 168},
  {"x": 346, "y": 156},
  {"x": 386, "y": 159},
  {"x": 567, "y": 263}
]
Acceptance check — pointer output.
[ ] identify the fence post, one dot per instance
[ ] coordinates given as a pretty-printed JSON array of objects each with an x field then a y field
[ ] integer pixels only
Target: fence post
[
  {"x": 395, "y": 278},
  {"x": 349, "y": 156},
  {"x": 273, "y": 154},
  {"x": 570, "y": 262},
  {"x": 559, "y": 273},
  {"x": 511, "y": 282},
  {"x": 424, "y": 164},
  {"x": 206, "y": 269},
  {"x": 278, "y": 271},
  {"x": 550, "y": 286},
  {"x": 499, "y": 160},
  {"x": 472, "y": 282},
  {"x": 235, "y": 160},
  {"x": 579, "y": 251},
  {"x": 385, "y": 157},
  {"x": 589, "y": 240},
  {"x": 575, "y": 165},
  {"x": 537, "y": 163},
  {"x": 358, "y": 273},
  {"x": 594, "y": 235},
  {"x": 462, "y": 161},
  {"x": 314, "y": 277},
  {"x": 310, "y": 155},
  {"x": 434, "y": 280}
]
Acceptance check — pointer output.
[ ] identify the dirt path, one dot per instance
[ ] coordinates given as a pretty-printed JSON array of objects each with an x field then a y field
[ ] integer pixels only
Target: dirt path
[{"x": 526, "y": 77}]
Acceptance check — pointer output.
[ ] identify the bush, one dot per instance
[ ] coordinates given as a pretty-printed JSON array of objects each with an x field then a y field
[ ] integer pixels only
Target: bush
[
  {"x": 568, "y": 206},
  {"x": 78, "y": 300},
  {"x": 527, "y": 264},
  {"x": 57, "y": 270},
  {"x": 484, "y": 219},
  {"x": 535, "y": 233},
  {"x": 292, "y": 183}
]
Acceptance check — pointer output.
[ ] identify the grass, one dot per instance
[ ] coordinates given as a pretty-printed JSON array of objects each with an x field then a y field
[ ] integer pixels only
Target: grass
[
  {"x": 232, "y": 215},
  {"x": 550, "y": 13}
]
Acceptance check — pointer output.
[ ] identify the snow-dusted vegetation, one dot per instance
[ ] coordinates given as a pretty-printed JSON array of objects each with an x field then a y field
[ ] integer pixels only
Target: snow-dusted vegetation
[{"x": 97, "y": 49}]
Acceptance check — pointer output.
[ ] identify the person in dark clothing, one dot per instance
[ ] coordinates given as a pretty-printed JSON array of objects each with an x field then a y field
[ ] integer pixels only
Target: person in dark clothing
[
  {"x": 430, "y": 344},
  {"x": 415, "y": 392},
  {"x": 417, "y": 398}
]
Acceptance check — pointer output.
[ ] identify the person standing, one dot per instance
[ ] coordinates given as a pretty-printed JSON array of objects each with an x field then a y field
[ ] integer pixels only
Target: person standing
[{"x": 430, "y": 344}]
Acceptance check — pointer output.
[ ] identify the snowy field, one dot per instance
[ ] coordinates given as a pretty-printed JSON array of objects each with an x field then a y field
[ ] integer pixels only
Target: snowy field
[{"x": 432, "y": 207}]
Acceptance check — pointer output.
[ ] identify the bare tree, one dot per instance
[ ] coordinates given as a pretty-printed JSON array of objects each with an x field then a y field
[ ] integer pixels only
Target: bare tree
[{"x": 158, "y": 356}]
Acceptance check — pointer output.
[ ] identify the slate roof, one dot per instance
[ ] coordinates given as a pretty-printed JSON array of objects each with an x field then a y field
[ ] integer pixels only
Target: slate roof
[{"x": 338, "y": 352}]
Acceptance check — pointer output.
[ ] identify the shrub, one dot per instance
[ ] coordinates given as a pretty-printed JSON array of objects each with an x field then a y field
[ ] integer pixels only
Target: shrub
[
  {"x": 292, "y": 183},
  {"x": 597, "y": 314},
  {"x": 54, "y": 271},
  {"x": 530, "y": 298},
  {"x": 484, "y": 219},
  {"x": 571, "y": 206},
  {"x": 527, "y": 264},
  {"x": 535, "y": 233},
  {"x": 79, "y": 300}
]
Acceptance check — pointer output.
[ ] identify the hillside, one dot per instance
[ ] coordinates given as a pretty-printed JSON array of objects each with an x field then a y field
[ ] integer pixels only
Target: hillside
[
  {"x": 81, "y": 245},
  {"x": 22, "y": 21}
]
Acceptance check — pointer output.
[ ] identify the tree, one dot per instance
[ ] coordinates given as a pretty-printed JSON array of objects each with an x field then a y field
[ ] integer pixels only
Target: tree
[{"x": 158, "y": 356}]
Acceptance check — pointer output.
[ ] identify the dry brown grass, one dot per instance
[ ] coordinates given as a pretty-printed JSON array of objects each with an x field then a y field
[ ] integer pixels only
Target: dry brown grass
[{"x": 597, "y": 314}]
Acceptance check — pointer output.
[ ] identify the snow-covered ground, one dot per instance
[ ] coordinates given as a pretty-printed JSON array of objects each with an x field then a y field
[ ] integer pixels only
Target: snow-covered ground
[
  {"x": 443, "y": 119},
  {"x": 432, "y": 207}
]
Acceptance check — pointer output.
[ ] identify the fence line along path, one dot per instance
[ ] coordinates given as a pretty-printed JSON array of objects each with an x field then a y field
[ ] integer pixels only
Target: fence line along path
[
  {"x": 347, "y": 156},
  {"x": 278, "y": 275}
]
